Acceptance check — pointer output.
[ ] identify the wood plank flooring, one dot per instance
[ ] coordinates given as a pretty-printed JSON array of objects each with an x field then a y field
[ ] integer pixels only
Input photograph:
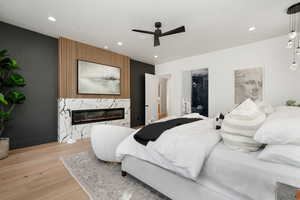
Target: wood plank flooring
[{"x": 38, "y": 173}]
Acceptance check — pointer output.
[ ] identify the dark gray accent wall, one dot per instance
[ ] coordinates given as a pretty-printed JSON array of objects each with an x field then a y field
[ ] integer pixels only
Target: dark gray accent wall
[
  {"x": 137, "y": 91},
  {"x": 35, "y": 122}
]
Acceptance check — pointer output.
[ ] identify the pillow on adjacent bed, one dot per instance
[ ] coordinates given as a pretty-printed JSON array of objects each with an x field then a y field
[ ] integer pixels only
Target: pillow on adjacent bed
[
  {"x": 240, "y": 126},
  {"x": 194, "y": 115},
  {"x": 281, "y": 127},
  {"x": 282, "y": 154}
]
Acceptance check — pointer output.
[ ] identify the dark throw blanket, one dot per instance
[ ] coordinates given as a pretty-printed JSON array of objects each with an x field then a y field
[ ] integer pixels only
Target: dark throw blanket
[{"x": 152, "y": 131}]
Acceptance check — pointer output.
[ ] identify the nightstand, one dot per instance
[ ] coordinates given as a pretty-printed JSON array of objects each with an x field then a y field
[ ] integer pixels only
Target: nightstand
[{"x": 287, "y": 192}]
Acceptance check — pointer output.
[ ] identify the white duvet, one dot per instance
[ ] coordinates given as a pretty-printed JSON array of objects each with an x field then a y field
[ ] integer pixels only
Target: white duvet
[
  {"x": 187, "y": 146},
  {"x": 182, "y": 149}
]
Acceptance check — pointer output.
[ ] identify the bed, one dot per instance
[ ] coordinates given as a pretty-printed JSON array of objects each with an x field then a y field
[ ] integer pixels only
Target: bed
[{"x": 225, "y": 174}]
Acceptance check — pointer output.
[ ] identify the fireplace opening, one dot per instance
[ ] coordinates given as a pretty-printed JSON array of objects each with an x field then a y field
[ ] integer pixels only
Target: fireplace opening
[{"x": 96, "y": 115}]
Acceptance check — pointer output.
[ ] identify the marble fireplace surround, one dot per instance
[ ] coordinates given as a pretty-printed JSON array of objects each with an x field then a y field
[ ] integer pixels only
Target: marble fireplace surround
[{"x": 69, "y": 133}]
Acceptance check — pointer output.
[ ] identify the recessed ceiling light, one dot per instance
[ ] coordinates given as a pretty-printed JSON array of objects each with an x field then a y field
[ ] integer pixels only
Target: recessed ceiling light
[
  {"x": 105, "y": 47},
  {"x": 252, "y": 28},
  {"x": 156, "y": 56},
  {"x": 52, "y": 19},
  {"x": 120, "y": 43}
]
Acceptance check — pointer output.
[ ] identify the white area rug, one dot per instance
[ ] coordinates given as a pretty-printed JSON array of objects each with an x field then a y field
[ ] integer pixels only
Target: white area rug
[{"x": 103, "y": 181}]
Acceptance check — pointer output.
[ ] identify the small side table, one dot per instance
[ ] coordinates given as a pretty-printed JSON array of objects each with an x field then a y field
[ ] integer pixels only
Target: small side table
[{"x": 287, "y": 192}]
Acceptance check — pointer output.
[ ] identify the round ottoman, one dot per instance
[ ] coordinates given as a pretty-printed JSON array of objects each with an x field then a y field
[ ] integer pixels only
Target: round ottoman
[{"x": 105, "y": 140}]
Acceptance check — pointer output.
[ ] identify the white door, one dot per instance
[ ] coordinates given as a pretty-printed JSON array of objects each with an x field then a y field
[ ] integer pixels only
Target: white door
[{"x": 151, "y": 98}]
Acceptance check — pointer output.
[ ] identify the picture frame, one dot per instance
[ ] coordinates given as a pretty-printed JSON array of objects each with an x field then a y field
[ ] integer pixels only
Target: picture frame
[
  {"x": 98, "y": 79},
  {"x": 249, "y": 83}
]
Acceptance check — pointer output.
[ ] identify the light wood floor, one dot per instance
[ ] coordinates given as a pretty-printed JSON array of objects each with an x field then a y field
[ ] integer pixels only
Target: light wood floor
[{"x": 37, "y": 173}]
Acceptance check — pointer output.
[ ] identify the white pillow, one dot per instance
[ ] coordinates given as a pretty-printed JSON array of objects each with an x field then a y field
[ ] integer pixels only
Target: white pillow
[
  {"x": 266, "y": 108},
  {"x": 244, "y": 120},
  {"x": 194, "y": 115},
  {"x": 240, "y": 143},
  {"x": 283, "y": 154},
  {"x": 281, "y": 127},
  {"x": 247, "y": 110},
  {"x": 240, "y": 126},
  {"x": 288, "y": 109}
]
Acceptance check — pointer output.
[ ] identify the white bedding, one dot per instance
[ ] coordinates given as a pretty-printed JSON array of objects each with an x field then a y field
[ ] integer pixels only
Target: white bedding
[
  {"x": 242, "y": 174},
  {"x": 130, "y": 147},
  {"x": 194, "y": 141},
  {"x": 187, "y": 146},
  {"x": 226, "y": 171}
]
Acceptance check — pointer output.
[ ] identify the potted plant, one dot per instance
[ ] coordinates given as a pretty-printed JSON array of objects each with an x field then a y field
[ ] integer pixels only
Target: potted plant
[
  {"x": 292, "y": 103},
  {"x": 10, "y": 80}
]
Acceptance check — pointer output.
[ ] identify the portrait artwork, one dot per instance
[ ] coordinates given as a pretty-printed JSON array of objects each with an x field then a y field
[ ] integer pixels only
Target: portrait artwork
[{"x": 248, "y": 84}]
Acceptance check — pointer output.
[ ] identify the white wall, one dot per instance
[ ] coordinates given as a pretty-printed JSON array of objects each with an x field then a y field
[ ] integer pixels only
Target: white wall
[{"x": 281, "y": 83}]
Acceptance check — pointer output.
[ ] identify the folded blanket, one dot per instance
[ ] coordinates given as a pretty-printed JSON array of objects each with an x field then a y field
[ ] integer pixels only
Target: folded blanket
[{"x": 152, "y": 131}]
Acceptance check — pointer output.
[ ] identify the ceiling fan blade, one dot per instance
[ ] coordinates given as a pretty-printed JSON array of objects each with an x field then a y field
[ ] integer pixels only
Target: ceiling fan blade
[
  {"x": 141, "y": 31},
  {"x": 156, "y": 40},
  {"x": 174, "y": 31}
]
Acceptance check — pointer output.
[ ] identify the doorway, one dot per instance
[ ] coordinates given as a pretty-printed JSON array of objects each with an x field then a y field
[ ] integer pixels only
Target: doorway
[
  {"x": 157, "y": 97},
  {"x": 199, "y": 96}
]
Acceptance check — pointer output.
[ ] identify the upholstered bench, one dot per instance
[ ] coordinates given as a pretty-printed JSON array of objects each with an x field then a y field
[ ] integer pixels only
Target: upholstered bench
[{"x": 105, "y": 140}]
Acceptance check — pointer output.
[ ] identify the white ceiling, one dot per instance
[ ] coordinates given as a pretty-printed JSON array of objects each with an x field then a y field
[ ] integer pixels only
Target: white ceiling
[{"x": 210, "y": 24}]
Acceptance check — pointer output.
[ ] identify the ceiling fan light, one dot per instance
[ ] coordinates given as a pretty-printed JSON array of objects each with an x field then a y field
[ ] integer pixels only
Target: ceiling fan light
[
  {"x": 292, "y": 34},
  {"x": 294, "y": 66},
  {"x": 290, "y": 44}
]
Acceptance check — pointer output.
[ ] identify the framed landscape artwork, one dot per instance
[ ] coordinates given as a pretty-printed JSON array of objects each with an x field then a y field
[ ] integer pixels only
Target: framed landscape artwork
[
  {"x": 249, "y": 83},
  {"x": 93, "y": 78}
]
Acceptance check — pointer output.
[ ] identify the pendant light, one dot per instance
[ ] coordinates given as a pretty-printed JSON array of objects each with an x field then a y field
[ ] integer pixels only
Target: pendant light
[
  {"x": 294, "y": 64},
  {"x": 290, "y": 44},
  {"x": 292, "y": 33},
  {"x": 294, "y": 39},
  {"x": 297, "y": 50}
]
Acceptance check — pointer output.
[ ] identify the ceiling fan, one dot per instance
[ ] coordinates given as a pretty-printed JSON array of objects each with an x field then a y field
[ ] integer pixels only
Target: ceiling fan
[{"x": 158, "y": 33}]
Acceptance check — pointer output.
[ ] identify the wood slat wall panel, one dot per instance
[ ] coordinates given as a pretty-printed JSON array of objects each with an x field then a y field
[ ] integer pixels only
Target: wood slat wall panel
[{"x": 70, "y": 51}]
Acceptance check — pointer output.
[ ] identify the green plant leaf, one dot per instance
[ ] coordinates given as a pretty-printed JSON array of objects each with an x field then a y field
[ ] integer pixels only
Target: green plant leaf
[
  {"x": 291, "y": 103},
  {"x": 16, "y": 97},
  {"x": 5, "y": 116},
  {"x": 8, "y": 64},
  {"x": 5, "y": 63},
  {"x": 2, "y": 99},
  {"x": 13, "y": 64},
  {"x": 15, "y": 80},
  {"x": 4, "y": 113},
  {"x": 3, "y": 53}
]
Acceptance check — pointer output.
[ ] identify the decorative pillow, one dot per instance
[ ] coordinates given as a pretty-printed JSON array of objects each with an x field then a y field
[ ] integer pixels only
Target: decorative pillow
[
  {"x": 240, "y": 143},
  {"x": 240, "y": 126},
  {"x": 279, "y": 130},
  {"x": 244, "y": 120},
  {"x": 283, "y": 154}
]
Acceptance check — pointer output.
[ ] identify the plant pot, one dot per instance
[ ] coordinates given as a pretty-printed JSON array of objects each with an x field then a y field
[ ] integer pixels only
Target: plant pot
[{"x": 4, "y": 147}]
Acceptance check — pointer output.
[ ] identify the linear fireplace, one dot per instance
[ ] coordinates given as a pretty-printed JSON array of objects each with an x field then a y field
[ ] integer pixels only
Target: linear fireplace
[{"x": 96, "y": 115}]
